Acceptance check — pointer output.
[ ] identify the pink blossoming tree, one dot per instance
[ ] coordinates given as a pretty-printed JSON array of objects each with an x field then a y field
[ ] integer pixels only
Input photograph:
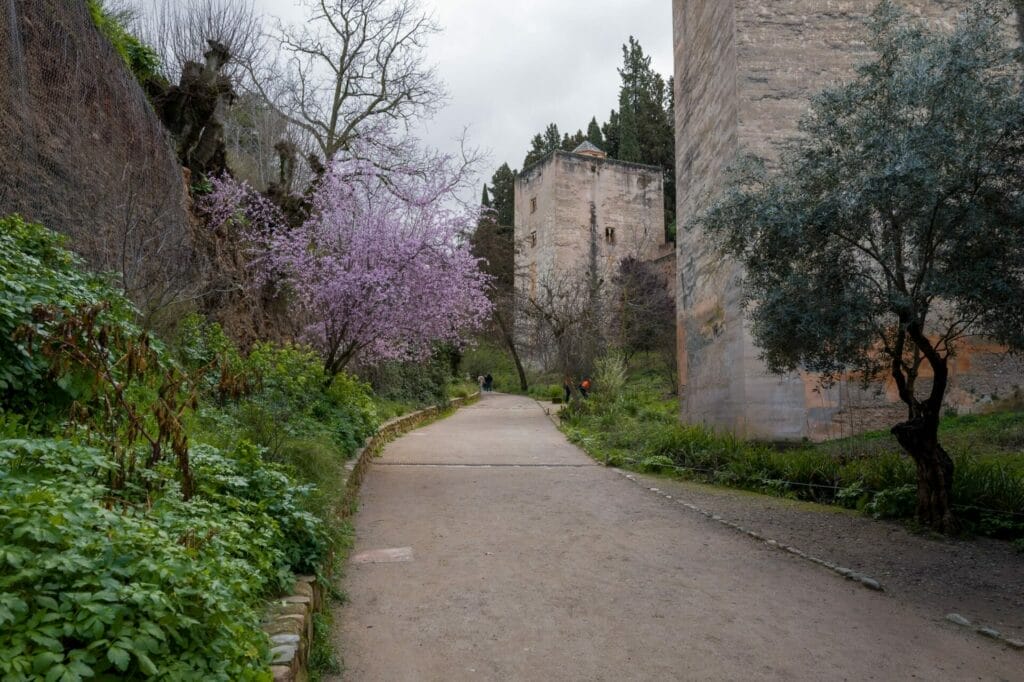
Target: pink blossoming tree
[{"x": 381, "y": 270}]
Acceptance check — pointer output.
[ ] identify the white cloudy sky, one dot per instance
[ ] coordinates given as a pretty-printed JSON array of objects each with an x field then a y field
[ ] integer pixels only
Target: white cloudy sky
[{"x": 514, "y": 66}]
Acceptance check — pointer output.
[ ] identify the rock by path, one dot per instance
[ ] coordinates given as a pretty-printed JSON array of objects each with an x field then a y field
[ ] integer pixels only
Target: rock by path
[{"x": 515, "y": 557}]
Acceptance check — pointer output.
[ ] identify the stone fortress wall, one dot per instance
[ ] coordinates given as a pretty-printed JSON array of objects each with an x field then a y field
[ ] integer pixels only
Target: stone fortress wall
[
  {"x": 566, "y": 199},
  {"x": 744, "y": 74},
  {"x": 83, "y": 152}
]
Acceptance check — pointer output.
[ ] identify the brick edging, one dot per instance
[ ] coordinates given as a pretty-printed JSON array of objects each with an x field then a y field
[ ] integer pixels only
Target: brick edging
[{"x": 289, "y": 623}]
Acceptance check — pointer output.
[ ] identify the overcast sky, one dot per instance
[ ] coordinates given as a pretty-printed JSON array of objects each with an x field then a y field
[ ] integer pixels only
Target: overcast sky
[{"x": 512, "y": 67}]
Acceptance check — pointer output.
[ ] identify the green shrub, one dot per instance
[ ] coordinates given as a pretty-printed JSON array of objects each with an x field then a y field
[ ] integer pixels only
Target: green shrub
[
  {"x": 610, "y": 377},
  {"x": 166, "y": 589},
  {"x": 657, "y": 464},
  {"x": 853, "y": 496},
  {"x": 36, "y": 271},
  {"x": 487, "y": 358},
  {"x": 201, "y": 345},
  {"x": 990, "y": 495},
  {"x": 277, "y": 395},
  {"x": 141, "y": 59},
  {"x": 413, "y": 385},
  {"x": 868, "y": 472},
  {"x": 123, "y": 562},
  {"x": 893, "y": 503},
  {"x": 244, "y": 482}
]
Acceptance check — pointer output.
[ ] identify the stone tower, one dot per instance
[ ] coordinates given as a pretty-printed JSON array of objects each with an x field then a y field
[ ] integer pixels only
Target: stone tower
[
  {"x": 574, "y": 209},
  {"x": 744, "y": 72}
]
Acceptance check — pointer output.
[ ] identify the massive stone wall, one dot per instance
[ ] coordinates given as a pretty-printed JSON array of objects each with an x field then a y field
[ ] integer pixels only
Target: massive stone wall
[
  {"x": 744, "y": 73},
  {"x": 82, "y": 151},
  {"x": 554, "y": 200},
  {"x": 572, "y": 208}
]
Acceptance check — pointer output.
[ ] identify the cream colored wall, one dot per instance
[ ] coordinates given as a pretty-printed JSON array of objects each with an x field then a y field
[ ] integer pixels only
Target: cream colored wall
[
  {"x": 744, "y": 73},
  {"x": 627, "y": 198}
]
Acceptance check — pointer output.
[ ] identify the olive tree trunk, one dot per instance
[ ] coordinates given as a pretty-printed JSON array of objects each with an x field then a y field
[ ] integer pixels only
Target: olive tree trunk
[{"x": 919, "y": 436}]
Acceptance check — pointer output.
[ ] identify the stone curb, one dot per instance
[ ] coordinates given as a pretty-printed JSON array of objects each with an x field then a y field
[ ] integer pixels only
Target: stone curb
[
  {"x": 847, "y": 573},
  {"x": 551, "y": 411},
  {"x": 289, "y": 626},
  {"x": 991, "y": 633},
  {"x": 289, "y": 619}
]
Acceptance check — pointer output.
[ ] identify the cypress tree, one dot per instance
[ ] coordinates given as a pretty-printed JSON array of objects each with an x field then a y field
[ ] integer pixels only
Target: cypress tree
[
  {"x": 611, "y": 134},
  {"x": 594, "y": 135},
  {"x": 503, "y": 196},
  {"x": 629, "y": 139}
]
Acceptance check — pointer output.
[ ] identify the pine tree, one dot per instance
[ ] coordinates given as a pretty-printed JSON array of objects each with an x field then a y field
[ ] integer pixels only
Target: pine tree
[
  {"x": 537, "y": 151},
  {"x": 552, "y": 138},
  {"x": 570, "y": 143},
  {"x": 542, "y": 144}
]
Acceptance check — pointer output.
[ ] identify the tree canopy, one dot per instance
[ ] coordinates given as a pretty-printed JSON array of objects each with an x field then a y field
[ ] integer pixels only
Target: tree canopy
[
  {"x": 891, "y": 230},
  {"x": 380, "y": 269}
]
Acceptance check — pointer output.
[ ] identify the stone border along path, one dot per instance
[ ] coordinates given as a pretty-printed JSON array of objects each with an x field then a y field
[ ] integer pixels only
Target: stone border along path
[
  {"x": 289, "y": 620},
  {"x": 991, "y": 633},
  {"x": 849, "y": 574}
]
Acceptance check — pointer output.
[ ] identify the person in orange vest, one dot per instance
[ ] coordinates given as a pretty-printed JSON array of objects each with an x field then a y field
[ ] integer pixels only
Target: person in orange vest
[{"x": 585, "y": 387}]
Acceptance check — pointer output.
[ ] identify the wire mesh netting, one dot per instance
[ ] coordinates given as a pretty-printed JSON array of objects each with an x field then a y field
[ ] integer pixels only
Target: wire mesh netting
[{"x": 82, "y": 152}]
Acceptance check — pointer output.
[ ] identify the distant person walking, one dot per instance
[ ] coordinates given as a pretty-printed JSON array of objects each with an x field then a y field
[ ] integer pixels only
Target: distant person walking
[
  {"x": 488, "y": 382},
  {"x": 585, "y": 387},
  {"x": 480, "y": 382},
  {"x": 567, "y": 387}
]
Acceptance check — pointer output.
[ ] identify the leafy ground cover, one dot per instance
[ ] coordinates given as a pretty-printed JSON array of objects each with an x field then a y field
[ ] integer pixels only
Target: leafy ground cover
[
  {"x": 152, "y": 495},
  {"x": 629, "y": 422}
]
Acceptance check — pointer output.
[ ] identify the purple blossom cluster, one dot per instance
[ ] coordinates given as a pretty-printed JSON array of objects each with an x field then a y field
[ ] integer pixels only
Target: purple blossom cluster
[{"x": 381, "y": 270}]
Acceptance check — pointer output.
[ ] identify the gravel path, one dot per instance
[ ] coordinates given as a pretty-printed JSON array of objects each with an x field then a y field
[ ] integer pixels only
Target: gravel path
[
  {"x": 512, "y": 556},
  {"x": 982, "y": 580}
]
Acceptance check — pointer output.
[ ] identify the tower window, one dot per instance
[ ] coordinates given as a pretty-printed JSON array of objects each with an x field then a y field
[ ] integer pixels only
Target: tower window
[
  {"x": 609, "y": 235},
  {"x": 533, "y": 205},
  {"x": 533, "y": 239}
]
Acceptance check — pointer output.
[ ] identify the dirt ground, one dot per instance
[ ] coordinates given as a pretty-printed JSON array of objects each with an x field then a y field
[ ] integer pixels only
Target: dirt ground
[
  {"x": 515, "y": 557},
  {"x": 981, "y": 579}
]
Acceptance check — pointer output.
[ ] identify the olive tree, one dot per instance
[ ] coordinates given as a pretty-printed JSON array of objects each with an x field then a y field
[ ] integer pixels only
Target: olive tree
[{"x": 891, "y": 228}]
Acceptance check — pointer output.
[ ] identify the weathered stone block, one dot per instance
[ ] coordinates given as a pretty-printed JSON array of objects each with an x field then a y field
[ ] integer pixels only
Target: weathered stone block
[
  {"x": 284, "y": 625},
  {"x": 290, "y": 608},
  {"x": 282, "y": 673}
]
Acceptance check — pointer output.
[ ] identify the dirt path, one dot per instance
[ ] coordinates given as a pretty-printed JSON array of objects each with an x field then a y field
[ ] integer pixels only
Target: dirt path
[
  {"x": 980, "y": 579},
  {"x": 517, "y": 558}
]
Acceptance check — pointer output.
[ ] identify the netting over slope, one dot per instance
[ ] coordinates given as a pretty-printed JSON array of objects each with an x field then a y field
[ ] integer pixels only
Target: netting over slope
[{"x": 82, "y": 152}]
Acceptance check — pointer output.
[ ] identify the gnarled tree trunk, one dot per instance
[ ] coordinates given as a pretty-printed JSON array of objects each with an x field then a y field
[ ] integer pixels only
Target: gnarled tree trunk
[{"x": 919, "y": 436}]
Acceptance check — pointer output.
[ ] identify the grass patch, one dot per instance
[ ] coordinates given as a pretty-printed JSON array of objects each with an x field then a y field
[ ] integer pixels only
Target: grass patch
[{"x": 638, "y": 428}]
